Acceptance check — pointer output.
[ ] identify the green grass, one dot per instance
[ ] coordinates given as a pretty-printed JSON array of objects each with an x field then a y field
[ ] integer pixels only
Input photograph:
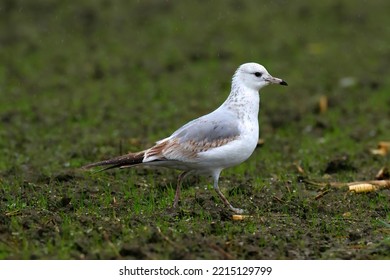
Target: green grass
[{"x": 84, "y": 81}]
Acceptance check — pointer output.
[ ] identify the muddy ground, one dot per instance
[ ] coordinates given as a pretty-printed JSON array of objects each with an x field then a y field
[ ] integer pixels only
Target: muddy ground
[{"x": 87, "y": 81}]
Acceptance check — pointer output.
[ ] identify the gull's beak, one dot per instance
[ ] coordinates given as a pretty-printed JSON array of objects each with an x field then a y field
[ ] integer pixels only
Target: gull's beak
[{"x": 273, "y": 80}]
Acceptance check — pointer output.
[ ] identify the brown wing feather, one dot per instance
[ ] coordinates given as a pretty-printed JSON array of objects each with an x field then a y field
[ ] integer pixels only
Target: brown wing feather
[
  {"x": 174, "y": 149},
  {"x": 125, "y": 160}
]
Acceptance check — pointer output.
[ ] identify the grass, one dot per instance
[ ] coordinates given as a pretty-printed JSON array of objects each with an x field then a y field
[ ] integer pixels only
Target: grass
[{"x": 83, "y": 82}]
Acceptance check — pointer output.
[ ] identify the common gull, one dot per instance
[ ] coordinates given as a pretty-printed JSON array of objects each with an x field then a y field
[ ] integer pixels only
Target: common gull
[{"x": 223, "y": 138}]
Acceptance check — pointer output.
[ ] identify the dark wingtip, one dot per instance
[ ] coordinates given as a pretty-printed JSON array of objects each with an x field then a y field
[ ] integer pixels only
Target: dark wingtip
[{"x": 283, "y": 83}]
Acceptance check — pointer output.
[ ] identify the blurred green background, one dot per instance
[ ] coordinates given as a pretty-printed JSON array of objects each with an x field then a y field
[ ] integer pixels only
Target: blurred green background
[{"x": 84, "y": 80}]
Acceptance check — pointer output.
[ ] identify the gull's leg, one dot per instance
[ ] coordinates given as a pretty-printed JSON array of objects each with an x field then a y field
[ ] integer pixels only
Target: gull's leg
[
  {"x": 227, "y": 203},
  {"x": 179, "y": 182}
]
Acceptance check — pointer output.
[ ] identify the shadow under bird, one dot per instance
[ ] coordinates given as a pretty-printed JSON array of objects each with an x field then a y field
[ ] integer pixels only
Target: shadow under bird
[{"x": 223, "y": 138}]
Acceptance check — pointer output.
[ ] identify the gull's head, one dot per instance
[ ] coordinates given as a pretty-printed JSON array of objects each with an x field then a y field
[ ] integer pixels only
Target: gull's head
[{"x": 254, "y": 76}]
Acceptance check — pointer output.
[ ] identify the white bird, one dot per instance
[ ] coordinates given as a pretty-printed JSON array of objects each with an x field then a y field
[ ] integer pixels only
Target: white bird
[{"x": 223, "y": 138}]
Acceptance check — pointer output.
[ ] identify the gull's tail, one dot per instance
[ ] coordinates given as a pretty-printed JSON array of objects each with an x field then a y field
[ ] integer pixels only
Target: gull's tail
[{"x": 118, "y": 162}]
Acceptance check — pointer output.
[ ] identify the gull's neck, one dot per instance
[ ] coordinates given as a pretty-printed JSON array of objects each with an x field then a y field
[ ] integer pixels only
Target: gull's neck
[{"x": 243, "y": 101}]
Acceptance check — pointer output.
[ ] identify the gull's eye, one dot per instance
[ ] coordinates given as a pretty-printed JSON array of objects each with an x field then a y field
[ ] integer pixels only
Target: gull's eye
[{"x": 258, "y": 74}]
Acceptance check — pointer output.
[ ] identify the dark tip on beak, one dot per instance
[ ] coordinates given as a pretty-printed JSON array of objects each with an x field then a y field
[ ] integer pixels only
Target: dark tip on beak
[{"x": 283, "y": 83}]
